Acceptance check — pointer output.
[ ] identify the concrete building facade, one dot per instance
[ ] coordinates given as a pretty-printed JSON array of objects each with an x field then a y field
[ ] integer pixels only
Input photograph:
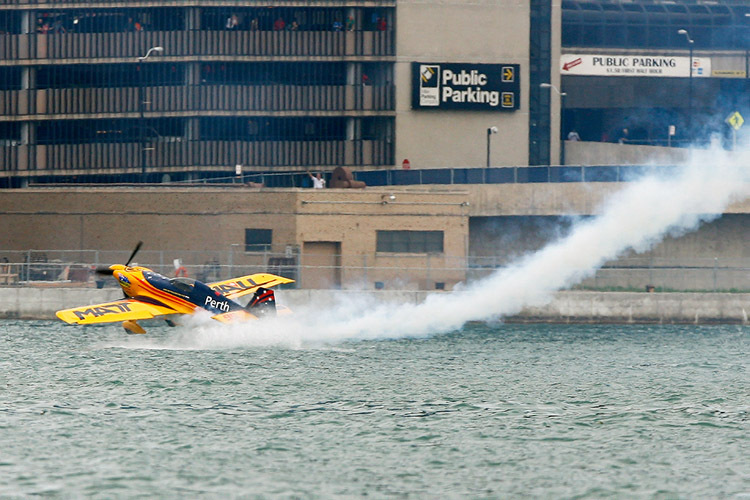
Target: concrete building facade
[
  {"x": 397, "y": 238},
  {"x": 330, "y": 238}
]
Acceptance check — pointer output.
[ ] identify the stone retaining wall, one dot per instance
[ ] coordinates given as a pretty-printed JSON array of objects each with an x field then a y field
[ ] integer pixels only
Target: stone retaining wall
[{"x": 566, "y": 307}]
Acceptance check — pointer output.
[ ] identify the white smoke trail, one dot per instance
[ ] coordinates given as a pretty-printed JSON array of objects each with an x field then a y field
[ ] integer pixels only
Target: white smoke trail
[{"x": 636, "y": 217}]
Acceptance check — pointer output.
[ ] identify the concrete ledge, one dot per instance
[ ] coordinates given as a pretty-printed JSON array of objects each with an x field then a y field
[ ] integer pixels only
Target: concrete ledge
[
  {"x": 566, "y": 307},
  {"x": 636, "y": 307}
]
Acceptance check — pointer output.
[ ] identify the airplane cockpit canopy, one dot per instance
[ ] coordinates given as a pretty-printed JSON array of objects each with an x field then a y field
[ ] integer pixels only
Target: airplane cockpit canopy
[{"x": 185, "y": 285}]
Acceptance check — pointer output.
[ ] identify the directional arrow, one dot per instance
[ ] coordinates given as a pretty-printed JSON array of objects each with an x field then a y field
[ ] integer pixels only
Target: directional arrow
[{"x": 572, "y": 64}]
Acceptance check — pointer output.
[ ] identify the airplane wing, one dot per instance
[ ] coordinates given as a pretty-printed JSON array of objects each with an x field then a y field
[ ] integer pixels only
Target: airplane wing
[
  {"x": 110, "y": 312},
  {"x": 237, "y": 287}
]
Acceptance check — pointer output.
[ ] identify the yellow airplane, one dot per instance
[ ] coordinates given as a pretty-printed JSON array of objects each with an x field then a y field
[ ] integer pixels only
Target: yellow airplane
[{"x": 149, "y": 294}]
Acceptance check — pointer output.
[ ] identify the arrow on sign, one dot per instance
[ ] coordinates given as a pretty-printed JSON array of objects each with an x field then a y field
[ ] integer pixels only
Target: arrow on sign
[{"x": 572, "y": 64}]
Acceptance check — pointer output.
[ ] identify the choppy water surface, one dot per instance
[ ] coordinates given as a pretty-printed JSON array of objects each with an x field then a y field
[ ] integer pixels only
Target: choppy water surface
[{"x": 502, "y": 411}]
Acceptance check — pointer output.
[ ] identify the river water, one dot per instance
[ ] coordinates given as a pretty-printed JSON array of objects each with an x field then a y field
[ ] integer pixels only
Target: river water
[{"x": 490, "y": 411}]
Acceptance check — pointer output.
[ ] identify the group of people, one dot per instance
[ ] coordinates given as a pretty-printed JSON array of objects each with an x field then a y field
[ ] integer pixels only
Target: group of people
[
  {"x": 44, "y": 26},
  {"x": 622, "y": 137},
  {"x": 234, "y": 22},
  {"x": 348, "y": 25}
]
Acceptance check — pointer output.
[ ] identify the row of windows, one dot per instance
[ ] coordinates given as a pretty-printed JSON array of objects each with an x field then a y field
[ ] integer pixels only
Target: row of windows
[
  {"x": 218, "y": 156},
  {"x": 410, "y": 241},
  {"x": 209, "y": 129},
  {"x": 208, "y": 18},
  {"x": 230, "y": 73},
  {"x": 294, "y": 18},
  {"x": 387, "y": 241},
  {"x": 633, "y": 24},
  {"x": 585, "y": 35}
]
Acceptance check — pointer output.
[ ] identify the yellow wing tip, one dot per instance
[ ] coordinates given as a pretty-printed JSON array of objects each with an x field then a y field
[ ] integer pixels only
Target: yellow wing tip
[
  {"x": 272, "y": 277},
  {"x": 66, "y": 316}
]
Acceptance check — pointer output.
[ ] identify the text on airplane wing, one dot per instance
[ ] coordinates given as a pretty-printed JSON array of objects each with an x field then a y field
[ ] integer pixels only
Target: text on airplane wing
[
  {"x": 110, "y": 312},
  {"x": 237, "y": 287}
]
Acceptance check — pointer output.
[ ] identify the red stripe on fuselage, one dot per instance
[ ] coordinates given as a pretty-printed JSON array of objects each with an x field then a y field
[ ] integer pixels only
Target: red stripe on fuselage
[{"x": 164, "y": 295}]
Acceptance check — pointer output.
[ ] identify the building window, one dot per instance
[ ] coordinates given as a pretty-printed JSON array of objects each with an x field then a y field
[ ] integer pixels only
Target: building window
[
  {"x": 258, "y": 240},
  {"x": 410, "y": 241}
]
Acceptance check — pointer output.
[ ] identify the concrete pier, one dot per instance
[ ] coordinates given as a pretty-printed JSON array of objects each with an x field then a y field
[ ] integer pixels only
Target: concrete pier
[{"x": 565, "y": 307}]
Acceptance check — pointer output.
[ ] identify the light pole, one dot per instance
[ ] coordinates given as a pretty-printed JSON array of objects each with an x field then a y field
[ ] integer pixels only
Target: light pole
[
  {"x": 141, "y": 106},
  {"x": 562, "y": 117},
  {"x": 490, "y": 131},
  {"x": 690, "y": 87}
]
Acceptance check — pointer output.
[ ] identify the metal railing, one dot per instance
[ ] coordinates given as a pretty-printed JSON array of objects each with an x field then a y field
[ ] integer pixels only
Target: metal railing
[
  {"x": 75, "y": 268},
  {"x": 121, "y": 158},
  {"x": 189, "y": 99},
  {"x": 70, "y": 46},
  {"x": 511, "y": 175}
]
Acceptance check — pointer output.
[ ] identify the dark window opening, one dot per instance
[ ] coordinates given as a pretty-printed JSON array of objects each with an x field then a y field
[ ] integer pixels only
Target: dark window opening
[
  {"x": 410, "y": 241},
  {"x": 10, "y": 78},
  {"x": 10, "y": 133},
  {"x": 272, "y": 129},
  {"x": 376, "y": 128},
  {"x": 274, "y": 73},
  {"x": 109, "y": 21},
  {"x": 377, "y": 74},
  {"x": 109, "y": 131},
  {"x": 288, "y": 19},
  {"x": 648, "y": 24},
  {"x": 258, "y": 240},
  {"x": 10, "y": 22},
  {"x": 110, "y": 75}
]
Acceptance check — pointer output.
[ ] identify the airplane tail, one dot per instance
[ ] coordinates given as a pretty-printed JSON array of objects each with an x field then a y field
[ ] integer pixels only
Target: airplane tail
[{"x": 263, "y": 303}]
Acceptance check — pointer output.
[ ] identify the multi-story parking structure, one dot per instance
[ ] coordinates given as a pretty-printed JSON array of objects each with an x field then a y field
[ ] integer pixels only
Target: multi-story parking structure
[
  {"x": 146, "y": 89},
  {"x": 670, "y": 72}
]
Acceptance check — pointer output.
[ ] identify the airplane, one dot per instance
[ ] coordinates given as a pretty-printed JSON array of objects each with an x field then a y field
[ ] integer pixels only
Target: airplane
[{"x": 149, "y": 294}]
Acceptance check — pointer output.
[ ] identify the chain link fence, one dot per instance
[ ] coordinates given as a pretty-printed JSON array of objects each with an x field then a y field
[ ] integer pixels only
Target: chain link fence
[{"x": 76, "y": 268}]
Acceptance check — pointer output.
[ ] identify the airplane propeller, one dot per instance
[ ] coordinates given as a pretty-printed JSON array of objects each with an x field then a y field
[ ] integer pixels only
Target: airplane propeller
[
  {"x": 108, "y": 272},
  {"x": 135, "y": 251}
]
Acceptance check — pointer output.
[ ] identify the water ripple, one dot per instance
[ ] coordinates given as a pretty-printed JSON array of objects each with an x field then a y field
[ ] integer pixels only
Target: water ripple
[{"x": 488, "y": 412}]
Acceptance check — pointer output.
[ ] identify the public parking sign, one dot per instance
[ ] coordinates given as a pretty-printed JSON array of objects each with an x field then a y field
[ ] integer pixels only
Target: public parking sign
[{"x": 476, "y": 87}]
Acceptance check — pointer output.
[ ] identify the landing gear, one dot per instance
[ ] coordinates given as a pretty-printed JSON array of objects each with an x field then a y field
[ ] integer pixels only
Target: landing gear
[{"x": 133, "y": 327}]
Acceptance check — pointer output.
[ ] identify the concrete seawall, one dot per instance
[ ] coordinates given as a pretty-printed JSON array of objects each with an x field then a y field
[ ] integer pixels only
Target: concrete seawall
[{"x": 566, "y": 307}]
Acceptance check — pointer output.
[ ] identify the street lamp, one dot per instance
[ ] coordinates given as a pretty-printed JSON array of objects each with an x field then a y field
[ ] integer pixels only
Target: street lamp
[
  {"x": 490, "y": 131},
  {"x": 562, "y": 117},
  {"x": 141, "y": 106},
  {"x": 690, "y": 87}
]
